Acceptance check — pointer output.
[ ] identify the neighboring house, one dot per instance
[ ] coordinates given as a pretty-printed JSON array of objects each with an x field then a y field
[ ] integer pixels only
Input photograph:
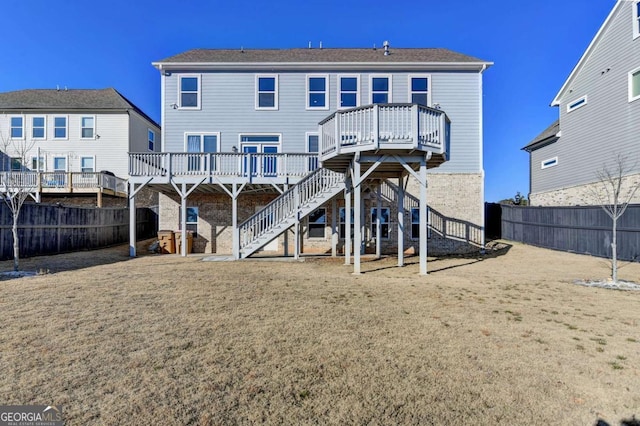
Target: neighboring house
[
  {"x": 240, "y": 127},
  {"x": 75, "y": 142},
  {"x": 599, "y": 116}
]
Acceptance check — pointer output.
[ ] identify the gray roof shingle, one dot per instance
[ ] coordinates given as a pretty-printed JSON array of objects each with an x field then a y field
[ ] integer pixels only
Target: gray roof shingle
[
  {"x": 548, "y": 135},
  {"x": 397, "y": 55}
]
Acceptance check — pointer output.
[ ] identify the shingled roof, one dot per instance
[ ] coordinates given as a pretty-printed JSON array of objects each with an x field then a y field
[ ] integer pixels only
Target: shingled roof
[
  {"x": 548, "y": 135},
  {"x": 331, "y": 55},
  {"x": 72, "y": 99}
]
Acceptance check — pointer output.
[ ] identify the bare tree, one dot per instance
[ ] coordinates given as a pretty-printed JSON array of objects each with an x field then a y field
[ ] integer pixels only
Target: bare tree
[
  {"x": 614, "y": 190},
  {"x": 17, "y": 183}
]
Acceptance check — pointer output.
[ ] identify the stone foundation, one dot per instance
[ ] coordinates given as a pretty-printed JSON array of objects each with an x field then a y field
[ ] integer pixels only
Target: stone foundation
[{"x": 582, "y": 195}]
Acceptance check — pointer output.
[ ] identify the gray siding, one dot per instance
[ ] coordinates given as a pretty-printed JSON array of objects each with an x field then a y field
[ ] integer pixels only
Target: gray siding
[
  {"x": 545, "y": 178},
  {"x": 593, "y": 134},
  {"x": 228, "y": 107},
  {"x": 138, "y": 136}
]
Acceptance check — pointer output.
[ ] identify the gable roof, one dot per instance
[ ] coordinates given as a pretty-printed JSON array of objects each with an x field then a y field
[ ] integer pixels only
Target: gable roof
[
  {"x": 548, "y": 136},
  {"x": 588, "y": 52},
  {"x": 331, "y": 56},
  {"x": 72, "y": 99}
]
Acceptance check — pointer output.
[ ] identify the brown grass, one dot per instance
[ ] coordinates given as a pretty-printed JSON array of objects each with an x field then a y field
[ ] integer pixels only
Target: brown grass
[{"x": 168, "y": 340}]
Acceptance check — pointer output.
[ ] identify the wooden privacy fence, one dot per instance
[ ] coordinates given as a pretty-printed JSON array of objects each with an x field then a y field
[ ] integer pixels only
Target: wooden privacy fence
[
  {"x": 586, "y": 230},
  {"x": 50, "y": 229}
]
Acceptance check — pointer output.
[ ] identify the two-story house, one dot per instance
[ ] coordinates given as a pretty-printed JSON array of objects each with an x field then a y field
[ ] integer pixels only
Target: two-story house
[
  {"x": 599, "y": 116},
  {"x": 275, "y": 149},
  {"x": 73, "y": 145}
]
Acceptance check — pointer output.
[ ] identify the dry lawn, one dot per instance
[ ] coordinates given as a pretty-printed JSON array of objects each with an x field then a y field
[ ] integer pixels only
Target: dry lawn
[{"x": 160, "y": 339}]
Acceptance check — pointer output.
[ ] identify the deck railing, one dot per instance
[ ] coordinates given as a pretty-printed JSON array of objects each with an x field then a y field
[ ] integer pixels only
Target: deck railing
[
  {"x": 249, "y": 165},
  {"x": 383, "y": 124},
  {"x": 61, "y": 181}
]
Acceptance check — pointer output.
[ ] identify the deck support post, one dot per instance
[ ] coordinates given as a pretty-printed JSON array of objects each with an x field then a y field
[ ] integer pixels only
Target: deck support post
[
  {"x": 334, "y": 229},
  {"x": 379, "y": 220},
  {"x": 183, "y": 220},
  {"x": 132, "y": 219},
  {"x": 234, "y": 221},
  {"x": 296, "y": 250},
  {"x": 423, "y": 216},
  {"x": 285, "y": 242},
  {"x": 400, "y": 196},
  {"x": 347, "y": 219},
  {"x": 99, "y": 201},
  {"x": 357, "y": 210}
]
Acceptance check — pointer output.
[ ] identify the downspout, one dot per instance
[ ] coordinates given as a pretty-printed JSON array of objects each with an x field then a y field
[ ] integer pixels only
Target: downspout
[{"x": 481, "y": 135}]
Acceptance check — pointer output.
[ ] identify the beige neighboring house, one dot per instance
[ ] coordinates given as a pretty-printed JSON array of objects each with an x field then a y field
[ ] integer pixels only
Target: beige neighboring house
[
  {"x": 599, "y": 117},
  {"x": 77, "y": 143}
]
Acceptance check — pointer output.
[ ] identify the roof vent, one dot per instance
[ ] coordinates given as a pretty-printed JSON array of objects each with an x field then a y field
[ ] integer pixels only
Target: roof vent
[{"x": 386, "y": 48}]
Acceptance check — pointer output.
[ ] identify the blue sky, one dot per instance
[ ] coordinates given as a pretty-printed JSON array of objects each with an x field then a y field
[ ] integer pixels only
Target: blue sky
[{"x": 97, "y": 44}]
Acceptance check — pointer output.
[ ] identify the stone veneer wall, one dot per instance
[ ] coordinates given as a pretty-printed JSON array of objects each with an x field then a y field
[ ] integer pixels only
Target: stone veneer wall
[
  {"x": 456, "y": 196},
  {"x": 581, "y": 195}
]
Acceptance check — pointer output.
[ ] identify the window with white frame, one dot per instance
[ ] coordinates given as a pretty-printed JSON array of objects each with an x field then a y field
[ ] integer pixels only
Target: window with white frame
[
  {"x": 60, "y": 127},
  {"x": 419, "y": 89},
  {"x": 342, "y": 222},
  {"x": 550, "y": 162},
  {"x": 260, "y": 165},
  {"x": 151, "y": 137},
  {"x": 634, "y": 85},
  {"x": 87, "y": 127},
  {"x": 192, "y": 220},
  {"x": 317, "y": 89},
  {"x": 87, "y": 164},
  {"x": 348, "y": 91},
  {"x": 415, "y": 223},
  {"x": 37, "y": 164},
  {"x": 313, "y": 142},
  {"x": 636, "y": 18},
  {"x": 380, "y": 89},
  {"x": 16, "y": 164},
  {"x": 198, "y": 143},
  {"x": 38, "y": 128},
  {"x": 17, "y": 130},
  {"x": 59, "y": 164},
  {"x": 266, "y": 92},
  {"x": 384, "y": 222},
  {"x": 578, "y": 103},
  {"x": 317, "y": 223},
  {"x": 190, "y": 93}
]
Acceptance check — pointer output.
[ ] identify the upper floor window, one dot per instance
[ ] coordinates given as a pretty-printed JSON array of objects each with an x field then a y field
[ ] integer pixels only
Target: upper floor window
[
  {"x": 189, "y": 86},
  {"x": 380, "y": 89},
  {"x": 87, "y": 127},
  {"x": 634, "y": 85},
  {"x": 419, "y": 89},
  {"x": 580, "y": 102},
  {"x": 349, "y": 91},
  {"x": 151, "y": 136},
  {"x": 636, "y": 19},
  {"x": 17, "y": 131},
  {"x": 38, "y": 128},
  {"x": 549, "y": 163},
  {"x": 60, "y": 127},
  {"x": 266, "y": 92},
  {"x": 317, "y": 89}
]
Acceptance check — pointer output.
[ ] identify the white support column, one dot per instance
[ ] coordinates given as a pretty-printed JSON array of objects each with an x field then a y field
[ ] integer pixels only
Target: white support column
[
  {"x": 296, "y": 251},
  {"x": 378, "y": 220},
  {"x": 334, "y": 229},
  {"x": 423, "y": 217},
  {"x": 400, "y": 196},
  {"x": 357, "y": 214},
  {"x": 183, "y": 220},
  {"x": 285, "y": 242},
  {"x": 234, "y": 222},
  {"x": 132, "y": 219},
  {"x": 347, "y": 221}
]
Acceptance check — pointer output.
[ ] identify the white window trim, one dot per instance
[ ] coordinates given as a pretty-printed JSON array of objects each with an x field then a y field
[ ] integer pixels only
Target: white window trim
[
  {"x": 630, "y": 80},
  {"x": 324, "y": 226},
  {"x": 66, "y": 127},
  {"x": 199, "y": 92},
  {"x": 306, "y": 140},
  {"x": 95, "y": 127},
  {"x": 636, "y": 19},
  {"x": 410, "y": 92},
  {"x": 344, "y": 222},
  {"x": 93, "y": 157},
  {"x": 44, "y": 126},
  {"x": 149, "y": 140},
  {"x": 373, "y": 223},
  {"x": 241, "y": 143},
  {"x": 66, "y": 163},
  {"x": 339, "y": 90},
  {"x": 390, "y": 92},
  {"x": 42, "y": 162},
  {"x": 275, "y": 96},
  {"x": 23, "y": 127},
  {"x": 201, "y": 134},
  {"x": 571, "y": 108},
  {"x": 326, "y": 92},
  {"x": 555, "y": 162}
]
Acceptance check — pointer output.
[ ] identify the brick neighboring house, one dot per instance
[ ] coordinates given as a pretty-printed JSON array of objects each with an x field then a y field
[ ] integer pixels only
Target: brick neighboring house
[
  {"x": 599, "y": 116},
  {"x": 267, "y": 150},
  {"x": 78, "y": 142}
]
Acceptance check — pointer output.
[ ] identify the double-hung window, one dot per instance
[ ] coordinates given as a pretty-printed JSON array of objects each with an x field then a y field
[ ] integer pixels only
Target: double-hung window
[
  {"x": 317, "y": 223},
  {"x": 37, "y": 164},
  {"x": 380, "y": 88},
  {"x": 60, "y": 127},
  {"x": 38, "y": 128},
  {"x": 190, "y": 93},
  {"x": 267, "y": 91},
  {"x": 415, "y": 223},
  {"x": 313, "y": 142},
  {"x": 634, "y": 85},
  {"x": 317, "y": 89},
  {"x": 348, "y": 91},
  {"x": 419, "y": 89},
  {"x": 87, "y": 127},
  {"x": 17, "y": 130},
  {"x": 342, "y": 226},
  {"x": 59, "y": 164},
  {"x": 384, "y": 222},
  {"x": 198, "y": 144},
  {"x": 16, "y": 164},
  {"x": 191, "y": 220},
  {"x": 87, "y": 164},
  {"x": 151, "y": 137}
]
